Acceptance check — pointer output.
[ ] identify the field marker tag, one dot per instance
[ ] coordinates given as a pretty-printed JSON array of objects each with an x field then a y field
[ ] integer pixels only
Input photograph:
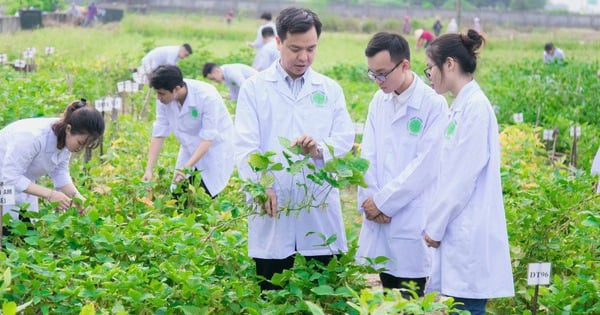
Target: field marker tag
[
  {"x": 7, "y": 194},
  {"x": 548, "y": 134},
  {"x": 99, "y": 105},
  {"x": 3, "y": 58},
  {"x": 574, "y": 129},
  {"x": 518, "y": 118},
  {"x": 538, "y": 274}
]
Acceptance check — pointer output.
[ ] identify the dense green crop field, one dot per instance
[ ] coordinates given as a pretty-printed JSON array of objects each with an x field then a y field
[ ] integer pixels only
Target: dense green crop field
[{"x": 139, "y": 252}]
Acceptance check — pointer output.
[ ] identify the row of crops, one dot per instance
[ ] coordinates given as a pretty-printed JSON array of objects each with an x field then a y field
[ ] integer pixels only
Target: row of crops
[{"x": 138, "y": 251}]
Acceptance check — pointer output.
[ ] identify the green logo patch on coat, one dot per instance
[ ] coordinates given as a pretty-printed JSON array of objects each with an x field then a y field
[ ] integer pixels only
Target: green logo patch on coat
[
  {"x": 194, "y": 113},
  {"x": 415, "y": 125},
  {"x": 451, "y": 129},
  {"x": 318, "y": 98}
]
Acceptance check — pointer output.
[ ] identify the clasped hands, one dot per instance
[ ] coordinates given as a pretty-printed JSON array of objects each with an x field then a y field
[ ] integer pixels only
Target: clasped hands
[{"x": 373, "y": 213}]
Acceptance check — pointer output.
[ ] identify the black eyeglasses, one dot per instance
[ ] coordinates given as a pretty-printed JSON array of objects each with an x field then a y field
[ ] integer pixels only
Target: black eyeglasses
[{"x": 382, "y": 77}]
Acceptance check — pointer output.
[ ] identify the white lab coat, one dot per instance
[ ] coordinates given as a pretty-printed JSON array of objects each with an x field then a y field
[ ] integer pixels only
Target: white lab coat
[
  {"x": 27, "y": 152},
  {"x": 165, "y": 55},
  {"x": 234, "y": 76},
  {"x": 557, "y": 55},
  {"x": 203, "y": 116},
  {"x": 266, "y": 56},
  {"x": 267, "y": 110},
  {"x": 467, "y": 214},
  {"x": 258, "y": 41},
  {"x": 596, "y": 168},
  {"x": 403, "y": 147}
]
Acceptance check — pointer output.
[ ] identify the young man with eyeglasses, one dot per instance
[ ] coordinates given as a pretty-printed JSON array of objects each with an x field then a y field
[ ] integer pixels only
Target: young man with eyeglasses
[{"x": 402, "y": 140}]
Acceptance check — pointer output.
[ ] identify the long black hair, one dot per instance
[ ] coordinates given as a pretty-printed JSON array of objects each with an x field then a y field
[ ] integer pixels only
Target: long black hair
[{"x": 83, "y": 119}]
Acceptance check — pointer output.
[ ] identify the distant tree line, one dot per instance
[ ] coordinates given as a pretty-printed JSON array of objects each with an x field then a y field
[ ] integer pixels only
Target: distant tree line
[{"x": 466, "y": 4}]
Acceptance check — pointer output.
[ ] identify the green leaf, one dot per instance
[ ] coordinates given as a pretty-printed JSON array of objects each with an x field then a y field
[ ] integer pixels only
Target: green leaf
[
  {"x": 134, "y": 295},
  {"x": 323, "y": 290},
  {"x": 6, "y": 279},
  {"x": 277, "y": 167},
  {"x": 88, "y": 310},
  {"x": 286, "y": 144},
  {"x": 591, "y": 221},
  {"x": 258, "y": 162},
  {"x": 9, "y": 308},
  {"x": 314, "y": 308},
  {"x": 267, "y": 180}
]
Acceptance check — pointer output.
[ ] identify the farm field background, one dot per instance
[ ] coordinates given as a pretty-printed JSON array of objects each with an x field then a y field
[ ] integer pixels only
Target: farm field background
[{"x": 137, "y": 251}]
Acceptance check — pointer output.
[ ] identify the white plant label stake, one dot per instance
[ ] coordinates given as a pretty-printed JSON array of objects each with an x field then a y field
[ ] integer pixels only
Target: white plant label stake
[
  {"x": 575, "y": 130},
  {"x": 7, "y": 194},
  {"x": 548, "y": 134},
  {"x": 518, "y": 118},
  {"x": 537, "y": 274}
]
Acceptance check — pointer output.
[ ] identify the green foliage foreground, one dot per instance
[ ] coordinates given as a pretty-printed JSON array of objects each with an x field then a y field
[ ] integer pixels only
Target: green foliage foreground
[{"x": 138, "y": 251}]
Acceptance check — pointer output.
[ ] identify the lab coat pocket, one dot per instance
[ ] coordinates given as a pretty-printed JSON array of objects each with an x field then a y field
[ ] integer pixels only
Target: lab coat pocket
[{"x": 409, "y": 222}]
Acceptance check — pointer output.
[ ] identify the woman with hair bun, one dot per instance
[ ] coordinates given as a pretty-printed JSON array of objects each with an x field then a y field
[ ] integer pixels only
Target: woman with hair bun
[
  {"x": 34, "y": 147},
  {"x": 466, "y": 221}
]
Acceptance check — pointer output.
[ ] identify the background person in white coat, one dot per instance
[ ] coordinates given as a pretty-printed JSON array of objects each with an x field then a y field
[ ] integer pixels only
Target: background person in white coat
[
  {"x": 466, "y": 222},
  {"x": 269, "y": 53},
  {"x": 402, "y": 141},
  {"x": 291, "y": 100},
  {"x": 596, "y": 169},
  {"x": 265, "y": 21},
  {"x": 34, "y": 147},
  {"x": 232, "y": 75},
  {"x": 165, "y": 55},
  {"x": 195, "y": 112}
]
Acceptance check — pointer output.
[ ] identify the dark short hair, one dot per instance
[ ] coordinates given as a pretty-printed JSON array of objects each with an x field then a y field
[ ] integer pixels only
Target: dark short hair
[
  {"x": 266, "y": 16},
  {"x": 267, "y": 32},
  {"x": 461, "y": 47},
  {"x": 296, "y": 21},
  {"x": 187, "y": 47},
  {"x": 166, "y": 77},
  {"x": 395, "y": 44},
  {"x": 208, "y": 68},
  {"x": 83, "y": 119},
  {"x": 548, "y": 46}
]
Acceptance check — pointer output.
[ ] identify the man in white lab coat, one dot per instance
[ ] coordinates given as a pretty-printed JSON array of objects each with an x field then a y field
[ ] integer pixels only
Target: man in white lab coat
[
  {"x": 402, "y": 141},
  {"x": 165, "y": 55},
  {"x": 269, "y": 53},
  {"x": 232, "y": 75},
  {"x": 265, "y": 21},
  {"x": 291, "y": 100},
  {"x": 193, "y": 111}
]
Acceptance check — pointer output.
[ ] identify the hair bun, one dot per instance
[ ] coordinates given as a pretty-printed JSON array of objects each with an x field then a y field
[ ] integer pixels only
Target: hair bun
[{"x": 472, "y": 41}]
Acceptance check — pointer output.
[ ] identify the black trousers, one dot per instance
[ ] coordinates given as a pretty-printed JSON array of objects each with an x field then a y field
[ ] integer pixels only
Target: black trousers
[
  {"x": 268, "y": 267},
  {"x": 391, "y": 282}
]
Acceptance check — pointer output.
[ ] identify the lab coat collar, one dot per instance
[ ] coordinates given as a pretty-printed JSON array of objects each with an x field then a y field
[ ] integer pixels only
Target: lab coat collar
[
  {"x": 276, "y": 74},
  {"x": 413, "y": 97},
  {"x": 188, "y": 103},
  {"x": 465, "y": 93}
]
